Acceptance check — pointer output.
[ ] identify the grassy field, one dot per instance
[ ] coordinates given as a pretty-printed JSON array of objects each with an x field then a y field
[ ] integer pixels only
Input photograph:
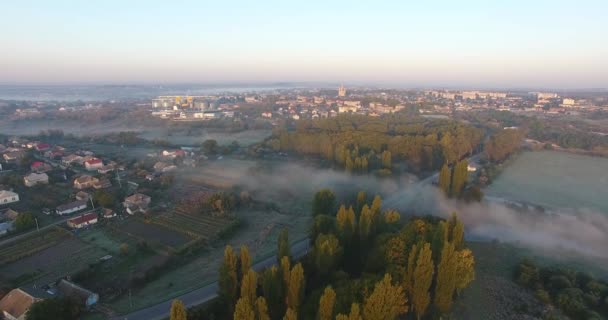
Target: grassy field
[
  {"x": 153, "y": 234},
  {"x": 32, "y": 244}
]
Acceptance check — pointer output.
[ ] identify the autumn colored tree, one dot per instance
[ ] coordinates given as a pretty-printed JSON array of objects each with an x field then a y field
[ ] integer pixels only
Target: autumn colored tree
[
  {"x": 391, "y": 216},
  {"x": 445, "y": 179},
  {"x": 459, "y": 178},
  {"x": 396, "y": 251},
  {"x": 386, "y": 302},
  {"x": 283, "y": 249},
  {"x": 261, "y": 309},
  {"x": 423, "y": 278},
  {"x": 290, "y": 314},
  {"x": 296, "y": 287},
  {"x": 355, "y": 313},
  {"x": 228, "y": 282},
  {"x": 361, "y": 201},
  {"x": 376, "y": 207},
  {"x": 445, "y": 283},
  {"x": 345, "y": 221},
  {"x": 326, "y": 304},
  {"x": 285, "y": 271},
  {"x": 245, "y": 260},
  {"x": 249, "y": 286},
  {"x": 456, "y": 232},
  {"x": 440, "y": 236},
  {"x": 178, "y": 311},
  {"x": 465, "y": 269},
  {"x": 243, "y": 310},
  {"x": 386, "y": 159},
  {"x": 324, "y": 202},
  {"x": 327, "y": 253},
  {"x": 365, "y": 222},
  {"x": 408, "y": 283}
]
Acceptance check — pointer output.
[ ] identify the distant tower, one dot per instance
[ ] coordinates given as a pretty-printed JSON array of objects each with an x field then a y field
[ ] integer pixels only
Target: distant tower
[{"x": 341, "y": 91}]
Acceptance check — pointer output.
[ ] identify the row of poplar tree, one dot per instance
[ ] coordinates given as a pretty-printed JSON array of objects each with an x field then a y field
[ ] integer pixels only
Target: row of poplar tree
[{"x": 364, "y": 263}]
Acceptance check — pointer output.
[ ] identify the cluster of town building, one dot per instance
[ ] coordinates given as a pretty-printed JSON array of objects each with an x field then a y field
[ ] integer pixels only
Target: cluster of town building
[{"x": 312, "y": 104}]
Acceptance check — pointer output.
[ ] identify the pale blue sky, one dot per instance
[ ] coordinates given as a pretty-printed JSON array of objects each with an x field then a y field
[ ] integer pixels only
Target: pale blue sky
[{"x": 414, "y": 43}]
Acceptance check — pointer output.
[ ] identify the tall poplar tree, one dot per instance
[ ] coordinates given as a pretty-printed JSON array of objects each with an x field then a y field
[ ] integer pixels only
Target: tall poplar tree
[
  {"x": 296, "y": 287},
  {"x": 178, "y": 311},
  {"x": 446, "y": 278},
  {"x": 445, "y": 179},
  {"x": 423, "y": 278},
  {"x": 228, "y": 282},
  {"x": 386, "y": 302},
  {"x": 326, "y": 304}
]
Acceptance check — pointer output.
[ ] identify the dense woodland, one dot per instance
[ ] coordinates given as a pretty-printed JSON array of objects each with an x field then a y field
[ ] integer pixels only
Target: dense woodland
[
  {"x": 362, "y": 143},
  {"x": 364, "y": 263},
  {"x": 577, "y": 294},
  {"x": 503, "y": 143}
]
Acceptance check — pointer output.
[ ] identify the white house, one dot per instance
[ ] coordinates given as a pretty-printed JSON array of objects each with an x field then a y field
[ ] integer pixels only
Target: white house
[
  {"x": 8, "y": 197},
  {"x": 33, "y": 179},
  {"x": 71, "y": 207},
  {"x": 83, "y": 220},
  {"x": 93, "y": 164}
]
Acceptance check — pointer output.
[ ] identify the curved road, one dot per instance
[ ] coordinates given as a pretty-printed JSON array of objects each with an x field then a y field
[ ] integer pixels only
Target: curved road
[{"x": 209, "y": 292}]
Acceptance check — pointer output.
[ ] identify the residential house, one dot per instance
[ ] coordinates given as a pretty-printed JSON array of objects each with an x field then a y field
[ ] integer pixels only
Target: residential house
[
  {"x": 73, "y": 158},
  {"x": 108, "y": 213},
  {"x": 71, "y": 207},
  {"x": 136, "y": 203},
  {"x": 81, "y": 195},
  {"x": 93, "y": 164},
  {"x": 42, "y": 147},
  {"x": 164, "y": 167},
  {"x": 105, "y": 169},
  {"x": 102, "y": 184},
  {"x": 34, "y": 179},
  {"x": 83, "y": 220},
  {"x": 8, "y": 197},
  {"x": 40, "y": 167},
  {"x": 16, "y": 303},
  {"x": 173, "y": 154},
  {"x": 77, "y": 293},
  {"x": 84, "y": 182},
  {"x": 13, "y": 156}
]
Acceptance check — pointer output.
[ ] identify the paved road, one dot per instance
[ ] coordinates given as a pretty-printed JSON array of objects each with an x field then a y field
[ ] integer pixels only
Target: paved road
[{"x": 206, "y": 293}]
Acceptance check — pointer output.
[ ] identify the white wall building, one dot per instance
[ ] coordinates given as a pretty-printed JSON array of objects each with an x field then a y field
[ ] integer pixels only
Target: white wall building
[{"x": 8, "y": 197}]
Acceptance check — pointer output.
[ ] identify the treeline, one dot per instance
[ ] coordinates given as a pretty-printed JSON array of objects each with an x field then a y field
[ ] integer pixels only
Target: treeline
[
  {"x": 503, "y": 143},
  {"x": 577, "y": 294},
  {"x": 364, "y": 263},
  {"x": 364, "y": 143}
]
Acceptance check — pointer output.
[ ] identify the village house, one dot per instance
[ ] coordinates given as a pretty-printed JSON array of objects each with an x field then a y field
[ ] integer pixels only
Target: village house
[
  {"x": 83, "y": 220},
  {"x": 93, "y": 164},
  {"x": 164, "y": 167},
  {"x": 34, "y": 179},
  {"x": 105, "y": 169},
  {"x": 42, "y": 147},
  {"x": 108, "y": 213},
  {"x": 84, "y": 182},
  {"x": 71, "y": 207},
  {"x": 136, "y": 203},
  {"x": 81, "y": 195},
  {"x": 173, "y": 154},
  {"x": 102, "y": 184},
  {"x": 16, "y": 303},
  {"x": 8, "y": 197},
  {"x": 73, "y": 158},
  {"x": 13, "y": 156},
  {"x": 74, "y": 292},
  {"x": 40, "y": 167}
]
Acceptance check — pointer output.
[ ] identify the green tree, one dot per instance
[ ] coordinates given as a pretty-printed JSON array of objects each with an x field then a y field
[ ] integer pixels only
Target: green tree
[
  {"x": 104, "y": 198},
  {"x": 178, "y": 311},
  {"x": 326, "y": 304},
  {"x": 423, "y": 278},
  {"x": 324, "y": 202},
  {"x": 446, "y": 278},
  {"x": 445, "y": 179},
  {"x": 210, "y": 146},
  {"x": 386, "y": 302},
  {"x": 24, "y": 221},
  {"x": 460, "y": 177},
  {"x": 228, "y": 283},
  {"x": 273, "y": 290},
  {"x": 283, "y": 249},
  {"x": 54, "y": 309}
]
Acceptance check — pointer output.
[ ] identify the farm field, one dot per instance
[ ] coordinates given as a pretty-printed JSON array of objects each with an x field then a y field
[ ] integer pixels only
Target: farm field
[
  {"x": 153, "y": 233},
  {"x": 197, "y": 225},
  {"x": 60, "y": 257},
  {"x": 31, "y": 245}
]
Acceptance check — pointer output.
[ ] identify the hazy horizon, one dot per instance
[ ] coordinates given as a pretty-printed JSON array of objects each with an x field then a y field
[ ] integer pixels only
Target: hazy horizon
[{"x": 544, "y": 44}]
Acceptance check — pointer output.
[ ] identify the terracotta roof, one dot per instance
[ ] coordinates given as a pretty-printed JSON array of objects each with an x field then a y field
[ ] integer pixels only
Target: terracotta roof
[
  {"x": 83, "y": 218},
  {"x": 16, "y": 303},
  {"x": 93, "y": 161}
]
